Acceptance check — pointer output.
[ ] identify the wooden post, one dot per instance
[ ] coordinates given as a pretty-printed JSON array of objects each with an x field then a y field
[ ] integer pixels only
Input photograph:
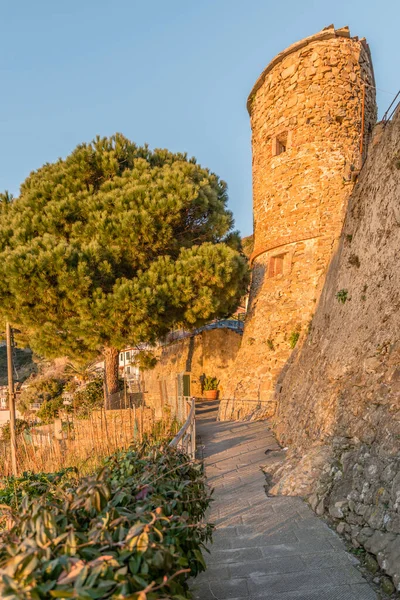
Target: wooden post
[{"x": 11, "y": 400}]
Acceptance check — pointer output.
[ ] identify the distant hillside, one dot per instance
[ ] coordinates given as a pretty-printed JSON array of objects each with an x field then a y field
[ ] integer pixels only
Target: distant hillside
[{"x": 23, "y": 361}]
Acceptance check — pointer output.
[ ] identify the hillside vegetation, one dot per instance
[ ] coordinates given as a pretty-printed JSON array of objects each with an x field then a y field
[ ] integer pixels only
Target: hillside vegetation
[{"x": 23, "y": 361}]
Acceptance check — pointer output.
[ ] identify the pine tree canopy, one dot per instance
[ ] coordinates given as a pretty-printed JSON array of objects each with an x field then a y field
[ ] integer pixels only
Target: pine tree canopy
[{"x": 116, "y": 244}]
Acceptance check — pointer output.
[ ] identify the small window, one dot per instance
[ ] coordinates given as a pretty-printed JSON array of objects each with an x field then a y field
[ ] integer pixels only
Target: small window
[
  {"x": 280, "y": 144},
  {"x": 121, "y": 357},
  {"x": 128, "y": 370},
  {"x": 276, "y": 265},
  {"x": 127, "y": 355}
]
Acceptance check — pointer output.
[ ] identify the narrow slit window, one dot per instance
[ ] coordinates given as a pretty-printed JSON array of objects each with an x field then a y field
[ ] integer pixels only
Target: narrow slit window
[{"x": 280, "y": 144}]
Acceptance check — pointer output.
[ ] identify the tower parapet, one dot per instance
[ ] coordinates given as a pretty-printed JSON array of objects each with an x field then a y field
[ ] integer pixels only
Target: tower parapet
[{"x": 312, "y": 111}]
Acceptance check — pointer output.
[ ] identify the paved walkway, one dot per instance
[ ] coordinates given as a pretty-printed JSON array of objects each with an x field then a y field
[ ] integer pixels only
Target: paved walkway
[{"x": 265, "y": 547}]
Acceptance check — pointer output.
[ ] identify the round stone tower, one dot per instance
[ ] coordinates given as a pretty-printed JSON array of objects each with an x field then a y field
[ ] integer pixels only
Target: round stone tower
[{"x": 312, "y": 111}]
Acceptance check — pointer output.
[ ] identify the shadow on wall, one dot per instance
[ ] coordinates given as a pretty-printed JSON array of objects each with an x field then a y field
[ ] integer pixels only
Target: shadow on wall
[
  {"x": 257, "y": 281},
  {"x": 190, "y": 353},
  {"x": 341, "y": 379}
]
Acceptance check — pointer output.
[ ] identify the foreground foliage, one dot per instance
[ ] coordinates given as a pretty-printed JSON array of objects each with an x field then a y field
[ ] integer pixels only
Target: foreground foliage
[
  {"x": 131, "y": 531},
  {"x": 32, "y": 485}
]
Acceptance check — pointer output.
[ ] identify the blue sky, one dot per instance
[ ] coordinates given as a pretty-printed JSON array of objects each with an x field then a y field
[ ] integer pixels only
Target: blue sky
[{"x": 173, "y": 73}]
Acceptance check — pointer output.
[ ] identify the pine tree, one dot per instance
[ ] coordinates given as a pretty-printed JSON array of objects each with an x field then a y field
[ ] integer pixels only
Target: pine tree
[{"x": 116, "y": 244}]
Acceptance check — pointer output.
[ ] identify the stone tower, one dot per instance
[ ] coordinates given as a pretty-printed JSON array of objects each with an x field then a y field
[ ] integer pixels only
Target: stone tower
[{"x": 312, "y": 111}]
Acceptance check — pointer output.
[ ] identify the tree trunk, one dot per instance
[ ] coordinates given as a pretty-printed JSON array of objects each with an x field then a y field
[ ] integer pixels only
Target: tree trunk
[{"x": 111, "y": 374}]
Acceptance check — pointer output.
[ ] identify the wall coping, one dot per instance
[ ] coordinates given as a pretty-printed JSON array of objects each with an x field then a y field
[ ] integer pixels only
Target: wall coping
[
  {"x": 326, "y": 34},
  {"x": 282, "y": 243}
]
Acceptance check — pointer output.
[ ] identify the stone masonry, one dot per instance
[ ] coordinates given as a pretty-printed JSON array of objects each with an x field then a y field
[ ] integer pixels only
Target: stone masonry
[
  {"x": 339, "y": 395},
  {"x": 312, "y": 111},
  {"x": 211, "y": 352}
]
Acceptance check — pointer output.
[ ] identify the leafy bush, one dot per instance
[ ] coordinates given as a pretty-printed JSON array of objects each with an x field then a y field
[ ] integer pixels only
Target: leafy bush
[
  {"x": 131, "y": 531},
  {"x": 13, "y": 489},
  {"x": 91, "y": 397},
  {"x": 20, "y": 426},
  {"x": 50, "y": 409},
  {"x": 41, "y": 390},
  {"x": 341, "y": 296}
]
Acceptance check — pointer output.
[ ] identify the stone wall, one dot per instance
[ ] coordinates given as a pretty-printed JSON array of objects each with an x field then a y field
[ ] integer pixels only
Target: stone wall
[
  {"x": 311, "y": 111},
  {"x": 338, "y": 399},
  {"x": 211, "y": 352}
]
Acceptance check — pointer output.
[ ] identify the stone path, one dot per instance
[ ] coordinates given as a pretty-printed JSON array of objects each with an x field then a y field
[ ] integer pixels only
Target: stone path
[{"x": 265, "y": 547}]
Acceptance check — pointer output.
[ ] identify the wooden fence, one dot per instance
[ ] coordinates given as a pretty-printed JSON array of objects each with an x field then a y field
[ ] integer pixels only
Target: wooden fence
[{"x": 84, "y": 443}]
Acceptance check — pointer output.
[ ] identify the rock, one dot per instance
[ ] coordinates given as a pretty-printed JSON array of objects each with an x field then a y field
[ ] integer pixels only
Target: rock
[
  {"x": 364, "y": 535},
  {"x": 372, "y": 364},
  {"x": 313, "y": 501},
  {"x": 289, "y": 71},
  {"x": 291, "y": 102},
  {"x": 371, "y": 564},
  {"x": 341, "y": 528},
  {"x": 387, "y": 585},
  {"x": 336, "y": 512},
  {"x": 378, "y": 541},
  {"x": 320, "y": 508}
]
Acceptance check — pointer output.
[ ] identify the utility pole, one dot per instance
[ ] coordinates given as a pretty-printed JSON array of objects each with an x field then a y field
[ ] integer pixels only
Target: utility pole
[{"x": 11, "y": 399}]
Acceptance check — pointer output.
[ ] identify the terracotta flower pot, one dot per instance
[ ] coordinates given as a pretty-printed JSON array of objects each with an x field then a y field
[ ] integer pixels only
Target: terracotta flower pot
[{"x": 211, "y": 394}]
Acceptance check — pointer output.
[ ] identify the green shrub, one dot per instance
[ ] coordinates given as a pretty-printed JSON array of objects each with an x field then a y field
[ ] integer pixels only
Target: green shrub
[
  {"x": 131, "y": 531},
  {"x": 294, "y": 338},
  {"x": 341, "y": 296},
  {"x": 20, "y": 426},
  {"x": 32, "y": 485},
  {"x": 45, "y": 389},
  {"x": 90, "y": 398},
  {"x": 50, "y": 410}
]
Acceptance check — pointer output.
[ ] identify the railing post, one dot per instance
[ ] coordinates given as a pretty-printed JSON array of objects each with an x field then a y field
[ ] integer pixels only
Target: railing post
[{"x": 194, "y": 430}]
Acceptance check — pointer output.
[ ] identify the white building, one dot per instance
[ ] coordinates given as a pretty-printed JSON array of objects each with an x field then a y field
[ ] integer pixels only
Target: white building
[
  {"x": 3, "y": 397},
  {"x": 127, "y": 366}
]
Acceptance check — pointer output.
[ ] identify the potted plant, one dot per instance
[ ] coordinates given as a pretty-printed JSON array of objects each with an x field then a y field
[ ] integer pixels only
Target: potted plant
[{"x": 210, "y": 387}]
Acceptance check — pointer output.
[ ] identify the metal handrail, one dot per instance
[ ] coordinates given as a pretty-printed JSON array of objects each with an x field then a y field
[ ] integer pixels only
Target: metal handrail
[
  {"x": 388, "y": 115},
  {"x": 185, "y": 439}
]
